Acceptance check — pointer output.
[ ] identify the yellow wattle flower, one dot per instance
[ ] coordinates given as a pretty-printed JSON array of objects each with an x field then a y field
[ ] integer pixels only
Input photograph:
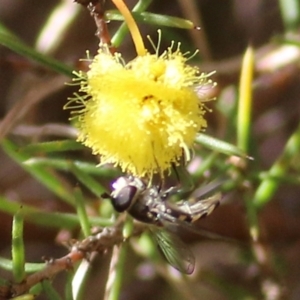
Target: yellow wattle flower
[{"x": 143, "y": 115}]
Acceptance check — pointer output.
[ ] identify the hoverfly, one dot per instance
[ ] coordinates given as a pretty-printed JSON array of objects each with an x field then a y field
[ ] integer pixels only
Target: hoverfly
[{"x": 150, "y": 204}]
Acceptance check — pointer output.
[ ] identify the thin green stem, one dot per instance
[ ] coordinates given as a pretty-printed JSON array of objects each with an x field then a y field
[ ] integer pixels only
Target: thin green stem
[
  {"x": 252, "y": 217},
  {"x": 290, "y": 12},
  {"x": 50, "y": 290},
  {"x": 7, "y": 264},
  {"x": 269, "y": 185}
]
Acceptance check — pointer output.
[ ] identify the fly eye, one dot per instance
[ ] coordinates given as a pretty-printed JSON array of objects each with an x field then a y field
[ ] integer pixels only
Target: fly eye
[{"x": 123, "y": 199}]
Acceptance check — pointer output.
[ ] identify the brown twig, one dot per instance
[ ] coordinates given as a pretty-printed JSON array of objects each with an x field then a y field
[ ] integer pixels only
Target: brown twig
[
  {"x": 49, "y": 129},
  {"x": 96, "y": 9},
  {"x": 100, "y": 242}
]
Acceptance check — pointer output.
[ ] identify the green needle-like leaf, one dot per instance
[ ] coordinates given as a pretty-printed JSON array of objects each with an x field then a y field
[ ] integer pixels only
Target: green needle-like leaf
[
  {"x": 40, "y": 173},
  {"x": 9, "y": 40},
  {"x": 18, "y": 251},
  {"x": 68, "y": 165},
  {"x": 158, "y": 20},
  {"x": 52, "y": 146},
  {"x": 245, "y": 101},
  {"x": 7, "y": 264},
  {"x": 81, "y": 212},
  {"x": 48, "y": 219},
  {"x": 93, "y": 185},
  {"x": 219, "y": 145},
  {"x": 50, "y": 291}
]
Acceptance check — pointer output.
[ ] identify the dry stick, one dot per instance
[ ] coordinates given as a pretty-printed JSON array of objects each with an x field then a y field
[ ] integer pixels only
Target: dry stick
[
  {"x": 100, "y": 242},
  {"x": 102, "y": 31},
  {"x": 57, "y": 129},
  {"x": 191, "y": 12},
  {"x": 34, "y": 96},
  {"x": 96, "y": 9}
]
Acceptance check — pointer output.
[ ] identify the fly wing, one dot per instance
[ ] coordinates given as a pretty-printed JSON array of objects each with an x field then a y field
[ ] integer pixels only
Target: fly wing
[
  {"x": 177, "y": 254},
  {"x": 190, "y": 210},
  {"x": 174, "y": 223},
  {"x": 204, "y": 207}
]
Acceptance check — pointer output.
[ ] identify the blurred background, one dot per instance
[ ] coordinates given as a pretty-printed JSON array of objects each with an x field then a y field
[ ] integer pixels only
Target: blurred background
[{"x": 31, "y": 109}]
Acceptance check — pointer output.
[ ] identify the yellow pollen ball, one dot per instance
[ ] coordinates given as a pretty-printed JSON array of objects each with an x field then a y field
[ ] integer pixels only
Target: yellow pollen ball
[{"x": 140, "y": 116}]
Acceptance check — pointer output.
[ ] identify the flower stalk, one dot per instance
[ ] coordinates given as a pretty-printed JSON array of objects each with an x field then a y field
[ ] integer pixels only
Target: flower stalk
[{"x": 132, "y": 26}]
